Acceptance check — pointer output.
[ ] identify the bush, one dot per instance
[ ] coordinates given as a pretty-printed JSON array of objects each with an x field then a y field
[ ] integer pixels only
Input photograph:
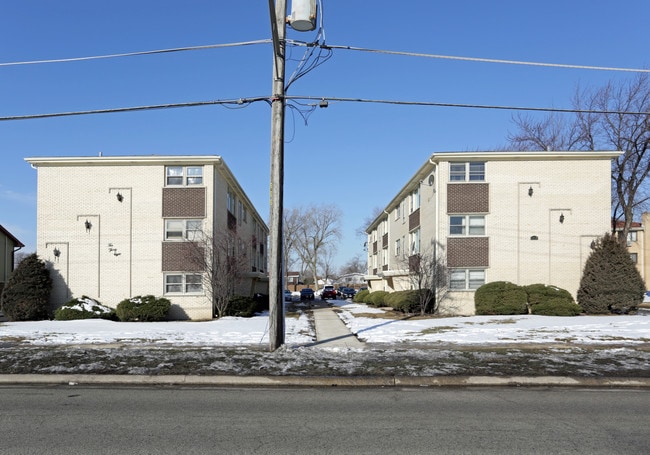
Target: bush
[
  {"x": 376, "y": 298},
  {"x": 556, "y": 307},
  {"x": 143, "y": 308},
  {"x": 26, "y": 294},
  {"x": 244, "y": 306},
  {"x": 610, "y": 281},
  {"x": 551, "y": 301},
  {"x": 404, "y": 301},
  {"x": 500, "y": 297},
  {"x": 361, "y": 296},
  {"x": 84, "y": 308}
]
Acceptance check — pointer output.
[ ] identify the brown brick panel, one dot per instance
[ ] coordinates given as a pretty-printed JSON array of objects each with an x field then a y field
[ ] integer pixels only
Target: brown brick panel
[
  {"x": 177, "y": 257},
  {"x": 468, "y": 252},
  {"x": 468, "y": 198},
  {"x": 183, "y": 202},
  {"x": 414, "y": 220}
]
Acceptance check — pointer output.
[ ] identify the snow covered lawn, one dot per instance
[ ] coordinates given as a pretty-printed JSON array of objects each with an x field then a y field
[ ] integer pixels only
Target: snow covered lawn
[{"x": 370, "y": 324}]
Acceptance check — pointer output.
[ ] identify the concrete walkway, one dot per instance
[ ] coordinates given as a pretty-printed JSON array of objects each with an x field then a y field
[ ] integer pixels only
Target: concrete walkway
[{"x": 331, "y": 332}]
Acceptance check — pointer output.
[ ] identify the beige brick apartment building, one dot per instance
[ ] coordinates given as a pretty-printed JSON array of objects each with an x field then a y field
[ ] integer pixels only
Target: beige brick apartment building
[
  {"x": 523, "y": 217},
  {"x": 114, "y": 227}
]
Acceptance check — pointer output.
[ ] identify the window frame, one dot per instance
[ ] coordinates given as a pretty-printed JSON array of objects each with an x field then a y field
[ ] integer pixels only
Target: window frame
[
  {"x": 467, "y": 171},
  {"x": 469, "y": 283},
  {"x": 187, "y": 232},
  {"x": 185, "y": 177},
  {"x": 186, "y": 283},
  {"x": 466, "y": 228}
]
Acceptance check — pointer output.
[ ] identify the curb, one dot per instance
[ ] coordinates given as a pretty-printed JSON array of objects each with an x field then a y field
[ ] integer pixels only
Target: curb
[{"x": 312, "y": 381}]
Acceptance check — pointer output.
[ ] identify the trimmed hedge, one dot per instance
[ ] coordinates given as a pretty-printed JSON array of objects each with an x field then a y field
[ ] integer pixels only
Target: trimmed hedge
[
  {"x": 376, "y": 298},
  {"x": 247, "y": 307},
  {"x": 404, "y": 301},
  {"x": 551, "y": 301},
  {"x": 146, "y": 308},
  {"x": 500, "y": 298},
  {"x": 361, "y": 296},
  {"x": 556, "y": 307},
  {"x": 84, "y": 308}
]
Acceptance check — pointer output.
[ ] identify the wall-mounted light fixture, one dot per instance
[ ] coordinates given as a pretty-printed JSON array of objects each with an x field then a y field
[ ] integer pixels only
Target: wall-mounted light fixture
[
  {"x": 57, "y": 253},
  {"x": 88, "y": 225},
  {"x": 561, "y": 218},
  {"x": 119, "y": 196},
  {"x": 534, "y": 237},
  {"x": 530, "y": 191},
  {"x": 593, "y": 245}
]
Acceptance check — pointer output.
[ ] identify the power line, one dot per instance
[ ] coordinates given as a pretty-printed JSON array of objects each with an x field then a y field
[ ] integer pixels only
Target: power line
[
  {"x": 318, "y": 101},
  {"x": 326, "y": 100},
  {"x": 239, "y": 102},
  {"x": 132, "y": 54},
  {"x": 485, "y": 60}
]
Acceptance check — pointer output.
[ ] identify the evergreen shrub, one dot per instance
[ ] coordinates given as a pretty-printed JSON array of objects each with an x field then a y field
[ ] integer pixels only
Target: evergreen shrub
[
  {"x": 556, "y": 306},
  {"x": 25, "y": 295},
  {"x": 404, "y": 301},
  {"x": 361, "y": 296},
  {"x": 500, "y": 297},
  {"x": 376, "y": 298},
  {"x": 84, "y": 308},
  {"x": 551, "y": 301},
  {"x": 242, "y": 306},
  {"x": 146, "y": 308},
  {"x": 610, "y": 281}
]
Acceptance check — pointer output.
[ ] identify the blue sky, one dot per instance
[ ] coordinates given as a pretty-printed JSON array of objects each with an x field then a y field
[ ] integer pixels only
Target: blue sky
[{"x": 354, "y": 155}]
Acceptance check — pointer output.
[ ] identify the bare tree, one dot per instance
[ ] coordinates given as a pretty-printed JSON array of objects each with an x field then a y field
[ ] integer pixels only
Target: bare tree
[
  {"x": 222, "y": 258},
  {"x": 427, "y": 272},
  {"x": 291, "y": 225},
  {"x": 325, "y": 262},
  {"x": 357, "y": 264},
  {"x": 318, "y": 235},
  {"x": 621, "y": 122}
]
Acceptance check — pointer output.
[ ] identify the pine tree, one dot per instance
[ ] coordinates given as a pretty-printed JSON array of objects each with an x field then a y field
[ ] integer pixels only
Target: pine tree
[
  {"x": 610, "y": 281},
  {"x": 25, "y": 296}
]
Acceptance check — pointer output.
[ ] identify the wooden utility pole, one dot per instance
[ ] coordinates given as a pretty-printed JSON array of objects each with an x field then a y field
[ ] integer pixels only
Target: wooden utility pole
[{"x": 276, "y": 288}]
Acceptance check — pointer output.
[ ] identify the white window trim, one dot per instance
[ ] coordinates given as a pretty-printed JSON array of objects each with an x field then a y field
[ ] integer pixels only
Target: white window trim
[
  {"x": 466, "y": 272},
  {"x": 183, "y": 283},
  {"x": 184, "y": 176},
  {"x": 467, "y": 225},
  {"x": 185, "y": 233}
]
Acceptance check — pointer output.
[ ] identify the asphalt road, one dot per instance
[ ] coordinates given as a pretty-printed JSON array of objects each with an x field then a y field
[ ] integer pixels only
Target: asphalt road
[{"x": 84, "y": 420}]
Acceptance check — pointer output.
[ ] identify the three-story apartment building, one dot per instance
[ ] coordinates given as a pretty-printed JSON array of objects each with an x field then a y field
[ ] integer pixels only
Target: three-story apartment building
[
  {"x": 115, "y": 227},
  {"x": 523, "y": 217}
]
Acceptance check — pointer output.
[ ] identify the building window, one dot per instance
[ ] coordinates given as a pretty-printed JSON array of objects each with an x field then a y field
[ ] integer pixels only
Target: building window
[
  {"x": 466, "y": 279},
  {"x": 398, "y": 247},
  {"x": 415, "y": 199},
  {"x": 183, "y": 283},
  {"x": 183, "y": 230},
  {"x": 397, "y": 212},
  {"x": 634, "y": 257},
  {"x": 469, "y": 225},
  {"x": 414, "y": 240},
  {"x": 473, "y": 171},
  {"x": 184, "y": 175},
  {"x": 230, "y": 201},
  {"x": 631, "y": 237}
]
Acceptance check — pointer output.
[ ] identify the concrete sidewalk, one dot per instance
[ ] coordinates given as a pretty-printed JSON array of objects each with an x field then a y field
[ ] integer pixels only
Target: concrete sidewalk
[{"x": 331, "y": 332}]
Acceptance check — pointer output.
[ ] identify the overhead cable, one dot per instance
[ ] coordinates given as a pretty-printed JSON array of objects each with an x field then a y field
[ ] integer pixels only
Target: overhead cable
[
  {"x": 487, "y": 60},
  {"x": 318, "y": 101},
  {"x": 238, "y": 102},
  {"x": 132, "y": 54}
]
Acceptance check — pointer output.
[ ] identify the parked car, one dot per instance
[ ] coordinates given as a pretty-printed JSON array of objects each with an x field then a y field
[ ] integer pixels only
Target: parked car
[
  {"x": 287, "y": 295},
  {"x": 306, "y": 294},
  {"x": 328, "y": 292},
  {"x": 348, "y": 293}
]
